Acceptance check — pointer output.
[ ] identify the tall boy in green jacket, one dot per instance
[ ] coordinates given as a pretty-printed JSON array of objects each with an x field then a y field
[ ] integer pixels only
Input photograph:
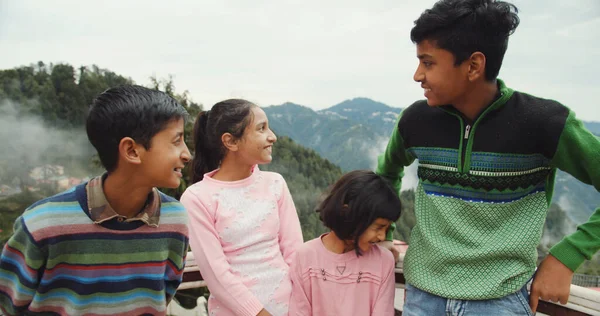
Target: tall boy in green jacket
[{"x": 487, "y": 161}]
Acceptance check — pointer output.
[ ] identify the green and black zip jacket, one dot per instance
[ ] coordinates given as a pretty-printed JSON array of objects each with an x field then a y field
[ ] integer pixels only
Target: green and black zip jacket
[{"x": 484, "y": 190}]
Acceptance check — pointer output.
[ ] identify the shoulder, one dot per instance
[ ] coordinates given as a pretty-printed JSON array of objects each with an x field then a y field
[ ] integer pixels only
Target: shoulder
[
  {"x": 384, "y": 256},
  {"x": 170, "y": 206},
  {"x": 308, "y": 250},
  {"x": 271, "y": 176},
  {"x": 60, "y": 209},
  {"x": 199, "y": 191},
  {"x": 273, "y": 182},
  {"x": 539, "y": 109},
  {"x": 58, "y": 204}
]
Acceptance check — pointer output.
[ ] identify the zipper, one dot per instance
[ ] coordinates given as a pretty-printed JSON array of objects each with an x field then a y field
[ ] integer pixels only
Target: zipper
[{"x": 463, "y": 146}]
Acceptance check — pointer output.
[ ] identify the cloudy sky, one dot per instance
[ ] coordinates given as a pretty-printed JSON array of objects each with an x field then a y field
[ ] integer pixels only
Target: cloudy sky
[{"x": 312, "y": 52}]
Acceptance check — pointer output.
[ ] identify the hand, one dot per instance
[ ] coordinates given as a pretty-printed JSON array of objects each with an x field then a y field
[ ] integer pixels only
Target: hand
[
  {"x": 263, "y": 312},
  {"x": 389, "y": 245},
  {"x": 552, "y": 281}
]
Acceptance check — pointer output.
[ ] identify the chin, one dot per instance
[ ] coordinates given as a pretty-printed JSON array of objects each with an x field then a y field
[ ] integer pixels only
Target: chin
[
  {"x": 171, "y": 185},
  {"x": 366, "y": 248},
  {"x": 434, "y": 103}
]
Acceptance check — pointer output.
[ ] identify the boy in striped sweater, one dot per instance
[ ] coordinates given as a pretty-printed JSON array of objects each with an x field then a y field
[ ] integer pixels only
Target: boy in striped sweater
[{"x": 114, "y": 245}]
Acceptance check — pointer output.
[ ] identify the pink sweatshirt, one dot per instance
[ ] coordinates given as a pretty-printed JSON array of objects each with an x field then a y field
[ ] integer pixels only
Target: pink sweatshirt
[
  {"x": 326, "y": 284},
  {"x": 243, "y": 235}
]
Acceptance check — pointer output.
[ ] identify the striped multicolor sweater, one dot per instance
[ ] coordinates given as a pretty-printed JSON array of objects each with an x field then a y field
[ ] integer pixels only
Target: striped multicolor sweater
[
  {"x": 59, "y": 262},
  {"x": 484, "y": 189}
]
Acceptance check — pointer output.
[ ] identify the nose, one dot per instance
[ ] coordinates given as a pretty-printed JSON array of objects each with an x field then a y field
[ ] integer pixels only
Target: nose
[
  {"x": 186, "y": 155},
  {"x": 381, "y": 236},
  {"x": 419, "y": 75},
  {"x": 272, "y": 138}
]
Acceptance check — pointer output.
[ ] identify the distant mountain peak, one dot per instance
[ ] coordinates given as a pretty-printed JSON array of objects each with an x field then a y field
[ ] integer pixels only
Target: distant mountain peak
[{"x": 360, "y": 104}]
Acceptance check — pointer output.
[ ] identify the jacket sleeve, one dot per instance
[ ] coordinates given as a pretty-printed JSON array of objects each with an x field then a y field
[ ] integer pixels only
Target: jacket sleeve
[
  {"x": 578, "y": 154},
  {"x": 391, "y": 163}
]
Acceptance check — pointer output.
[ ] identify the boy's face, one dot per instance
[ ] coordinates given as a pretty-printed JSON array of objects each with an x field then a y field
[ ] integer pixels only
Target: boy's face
[
  {"x": 256, "y": 145},
  {"x": 162, "y": 164},
  {"x": 373, "y": 234},
  {"x": 443, "y": 82}
]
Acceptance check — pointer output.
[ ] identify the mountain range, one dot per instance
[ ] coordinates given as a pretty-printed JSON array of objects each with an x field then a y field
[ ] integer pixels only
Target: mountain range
[{"x": 353, "y": 133}]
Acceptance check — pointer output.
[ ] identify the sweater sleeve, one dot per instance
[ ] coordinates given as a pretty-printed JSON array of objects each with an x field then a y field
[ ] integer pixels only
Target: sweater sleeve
[
  {"x": 384, "y": 304},
  {"x": 391, "y": 163},
  {"x": 173, "y": 280},
  {"x": 290, "y": 232},
  {"x": 213, "y": 264},
  {"x": 20, "y": 264},
  {"x": 300, "y": 303},
  {"x": 578, "y": 154}
]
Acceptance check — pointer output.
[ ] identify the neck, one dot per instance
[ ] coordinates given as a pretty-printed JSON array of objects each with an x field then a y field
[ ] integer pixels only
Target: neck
[
  {"x": 336, "y": 245},
  {"x": 232, "y": 170},
  {"x": 124, "y": 194},
  {"x": 478, "y": 99}
]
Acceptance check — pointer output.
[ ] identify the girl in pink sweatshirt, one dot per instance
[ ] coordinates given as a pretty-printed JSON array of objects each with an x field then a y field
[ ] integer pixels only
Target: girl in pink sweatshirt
[
  {"x": 243, "y": 227},
  {"x": 344, "y": 272}
]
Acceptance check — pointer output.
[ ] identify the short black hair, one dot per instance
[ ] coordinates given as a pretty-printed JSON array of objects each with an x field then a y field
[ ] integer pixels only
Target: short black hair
[
  {"x": 464, "y": 27},
  {"x": 228, "y": 116},
  {"x": 128, "y": 111},
  {"x": 355, "y": 201}
]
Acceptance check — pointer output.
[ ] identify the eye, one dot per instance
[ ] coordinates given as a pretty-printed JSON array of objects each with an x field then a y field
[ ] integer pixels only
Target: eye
[{"x": 427, "y": 64}]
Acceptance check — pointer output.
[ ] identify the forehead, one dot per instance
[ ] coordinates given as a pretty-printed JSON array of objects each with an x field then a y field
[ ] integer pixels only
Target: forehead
[
  {"x": 172, "y": 128},
  {"x": 381, "y": 221},
  {"x": 257, "y": 115},
  {"x": 427, "y": 48}
]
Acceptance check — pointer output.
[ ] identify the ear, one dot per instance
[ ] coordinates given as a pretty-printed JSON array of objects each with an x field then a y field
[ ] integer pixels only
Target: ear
[
  {"x": 476, "y": 68},
  {"x": 130, "y": 151},
  {"x": 230, "y": 142}
]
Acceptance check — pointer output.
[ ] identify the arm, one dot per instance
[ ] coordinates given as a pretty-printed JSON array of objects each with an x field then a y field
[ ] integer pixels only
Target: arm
[
  {"x": 578, "y": 154},
  {"x": 290, "y": 232},
  {"x": 391, "y": 165},
  {"x": 300, "y": 303},
  {"x": 20, "y": 263},
  {"x": 173, "y": 279},
  {"x": 384, "y": 304},
  {"x": 213, "y": 264}
]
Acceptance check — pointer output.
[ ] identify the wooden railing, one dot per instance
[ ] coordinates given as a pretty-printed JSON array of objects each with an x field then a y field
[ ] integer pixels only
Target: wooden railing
[{"x": 582, "y": 301}]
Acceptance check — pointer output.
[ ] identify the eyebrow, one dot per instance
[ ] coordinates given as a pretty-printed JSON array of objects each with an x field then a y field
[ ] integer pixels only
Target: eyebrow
[
  {"x": 178, "y": 135},
  {"x": 424, "y": 56},
  {"x": 261, "y": 122}
]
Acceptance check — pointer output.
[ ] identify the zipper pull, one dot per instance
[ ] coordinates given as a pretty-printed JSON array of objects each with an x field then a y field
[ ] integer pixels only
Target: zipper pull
[{"x": 467, "y": 129}]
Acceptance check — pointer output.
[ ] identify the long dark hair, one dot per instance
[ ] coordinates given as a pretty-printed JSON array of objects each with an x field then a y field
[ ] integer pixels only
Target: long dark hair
[{"x": 229, "y": 116}]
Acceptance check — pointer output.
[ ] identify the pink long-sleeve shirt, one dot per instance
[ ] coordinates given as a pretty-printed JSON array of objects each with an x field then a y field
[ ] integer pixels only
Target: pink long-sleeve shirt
[
  {"x": 244, "y": 235},
  {"x": 326, "y": 284}
]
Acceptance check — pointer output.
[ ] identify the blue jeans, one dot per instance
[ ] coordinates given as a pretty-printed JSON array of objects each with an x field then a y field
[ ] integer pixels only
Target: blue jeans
[{"x": 421, "y": 303}]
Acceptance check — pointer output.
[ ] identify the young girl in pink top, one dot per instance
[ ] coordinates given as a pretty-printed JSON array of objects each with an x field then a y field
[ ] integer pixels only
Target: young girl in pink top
[
  {"x": 244, "y": 228},
  {"x": 344, "y": 272}
]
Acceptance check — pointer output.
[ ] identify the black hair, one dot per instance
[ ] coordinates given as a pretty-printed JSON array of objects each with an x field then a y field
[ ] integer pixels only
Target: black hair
[
  {"x": 355, "y": 201},
  {"x": 229, "y": 116},
  {"x": 464, "y": 27},
  {"x": 128, "y": 111}
]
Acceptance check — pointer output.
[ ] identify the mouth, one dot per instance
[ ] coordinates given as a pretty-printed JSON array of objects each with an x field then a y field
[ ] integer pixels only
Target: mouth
[
  {"x": 269, "y": 148},
  {"x": 178, "y": 171}
]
